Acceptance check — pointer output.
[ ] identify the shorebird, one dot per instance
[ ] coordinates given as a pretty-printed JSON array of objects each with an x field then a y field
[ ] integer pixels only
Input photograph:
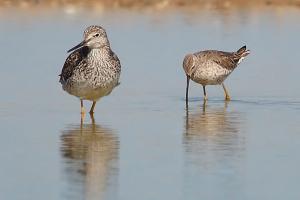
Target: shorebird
[
  {"x": 92, "y": 70},
  {"x": 211, "y": 67}
]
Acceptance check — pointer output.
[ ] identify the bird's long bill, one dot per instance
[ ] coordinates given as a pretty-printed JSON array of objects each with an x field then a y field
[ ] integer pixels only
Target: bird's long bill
[{"x": 81, "y": 44}]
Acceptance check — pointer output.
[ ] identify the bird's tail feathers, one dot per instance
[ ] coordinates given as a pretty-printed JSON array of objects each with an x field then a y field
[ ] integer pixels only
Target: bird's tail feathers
[{"x": 242, "y": 53}]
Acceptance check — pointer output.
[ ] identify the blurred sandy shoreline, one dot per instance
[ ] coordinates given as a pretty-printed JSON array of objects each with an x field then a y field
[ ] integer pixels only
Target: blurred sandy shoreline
[{"x": 145, "y": 4}]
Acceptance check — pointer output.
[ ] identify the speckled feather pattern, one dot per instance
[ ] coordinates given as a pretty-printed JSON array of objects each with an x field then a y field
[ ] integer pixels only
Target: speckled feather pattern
[
  {"x": 212, "y": 67},
  {"x": 91, "y": 73}
]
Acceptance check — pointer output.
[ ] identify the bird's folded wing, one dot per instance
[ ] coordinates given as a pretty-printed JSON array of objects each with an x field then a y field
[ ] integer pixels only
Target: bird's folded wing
[
  {"x": 224, "y": 59},
  {"x": 73, "y": 61}
]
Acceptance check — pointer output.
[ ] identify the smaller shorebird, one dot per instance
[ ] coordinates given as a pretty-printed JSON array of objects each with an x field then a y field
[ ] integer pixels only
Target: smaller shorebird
[
  {"x": 92, "y": 70},
  {"x": 211, "y": 67}
]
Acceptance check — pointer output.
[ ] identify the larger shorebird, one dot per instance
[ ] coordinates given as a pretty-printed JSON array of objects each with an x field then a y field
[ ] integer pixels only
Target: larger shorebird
[
  {"x": 211, "y": 67},
  {"x": 92, "y": 70}
]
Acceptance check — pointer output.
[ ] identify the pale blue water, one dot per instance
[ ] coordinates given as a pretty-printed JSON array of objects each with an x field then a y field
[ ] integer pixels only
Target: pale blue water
[{"x": 144, "y": 144}]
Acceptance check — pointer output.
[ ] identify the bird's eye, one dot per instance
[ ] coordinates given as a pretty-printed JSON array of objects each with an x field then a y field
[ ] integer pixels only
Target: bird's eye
[{"x": 97, "y": 35}]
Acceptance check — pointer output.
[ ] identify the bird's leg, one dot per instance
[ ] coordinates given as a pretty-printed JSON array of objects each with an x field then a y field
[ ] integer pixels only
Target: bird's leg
[
  {"x": 204, "y": 91},
  {"x": 187, "y": 90},
  {"x": 93, "y": 120},
  {"x": 204, "y": 106},
  {"x": 92, "y": 108},
  {"x": 82, "y": 110},
  {"x": 82, "y": 120},
  {"x": 227, "y": 97}
]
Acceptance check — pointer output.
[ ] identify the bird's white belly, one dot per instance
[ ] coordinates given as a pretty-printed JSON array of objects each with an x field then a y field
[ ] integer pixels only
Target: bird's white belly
[
  {"x": 211, "y": 76},
  {"x": 85, "y": 91}
]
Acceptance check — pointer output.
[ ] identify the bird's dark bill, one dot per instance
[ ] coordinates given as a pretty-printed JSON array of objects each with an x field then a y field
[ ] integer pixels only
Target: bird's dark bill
[{"x": 81, "y": 44}]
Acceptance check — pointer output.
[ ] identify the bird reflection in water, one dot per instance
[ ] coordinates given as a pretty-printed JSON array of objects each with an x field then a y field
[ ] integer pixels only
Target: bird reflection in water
[
  {"x": 214, "y": 152},
  {"x": 90, "y": 154},
  {"x": 213, "y": 134}
]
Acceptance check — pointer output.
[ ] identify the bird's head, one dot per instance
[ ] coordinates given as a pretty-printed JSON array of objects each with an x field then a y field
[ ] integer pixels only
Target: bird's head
[
  {"x": 94, "y": 37},
  {"x": 189, "y": 64}
]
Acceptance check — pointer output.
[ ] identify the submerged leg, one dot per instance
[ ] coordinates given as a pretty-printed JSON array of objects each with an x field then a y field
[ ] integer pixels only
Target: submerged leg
[
  {"x": 187, "y": 90},
  {"x": 92, "y": 108},
  {"x": 204, "y": 91},
  {"x": 227, "y": 97}
]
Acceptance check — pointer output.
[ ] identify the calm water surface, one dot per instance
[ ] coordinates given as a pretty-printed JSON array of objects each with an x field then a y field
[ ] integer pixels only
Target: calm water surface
[{"x": 143, "y": 143}]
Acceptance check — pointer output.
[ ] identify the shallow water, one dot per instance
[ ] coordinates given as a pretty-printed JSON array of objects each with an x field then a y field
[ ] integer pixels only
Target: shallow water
[{"x": 143, "y": 142}]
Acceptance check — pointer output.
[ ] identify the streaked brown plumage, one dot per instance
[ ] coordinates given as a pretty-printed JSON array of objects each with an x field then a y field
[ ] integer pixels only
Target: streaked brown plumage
[
  {"x": 92, "y": 70},
  {"x": 212, "y": 67}
]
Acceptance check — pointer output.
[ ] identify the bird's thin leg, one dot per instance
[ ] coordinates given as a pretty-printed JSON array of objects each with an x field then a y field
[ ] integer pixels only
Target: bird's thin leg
[
  {"x": 187, "y": 90},
  {"x": 93, "y": 120},
  {"x": 82, "y": 110},
  {"x": 92, "y": 108},
  {"x": 204, "y": 106},
  {"x": 82, "y": 120},
  {"x": 204, "y": 91},
  {"x": 227, "y": 97}
]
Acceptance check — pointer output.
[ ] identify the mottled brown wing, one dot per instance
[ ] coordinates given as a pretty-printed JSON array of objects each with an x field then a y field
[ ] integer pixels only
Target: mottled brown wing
[
  {"x": 227, "y": 60},
  {"x": 224, "y": 59},
  {"x": 74, "y": 60}
]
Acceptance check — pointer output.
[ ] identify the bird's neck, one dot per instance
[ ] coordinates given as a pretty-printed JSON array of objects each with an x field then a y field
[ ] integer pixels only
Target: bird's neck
[{"x": 100, "y": 52}]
